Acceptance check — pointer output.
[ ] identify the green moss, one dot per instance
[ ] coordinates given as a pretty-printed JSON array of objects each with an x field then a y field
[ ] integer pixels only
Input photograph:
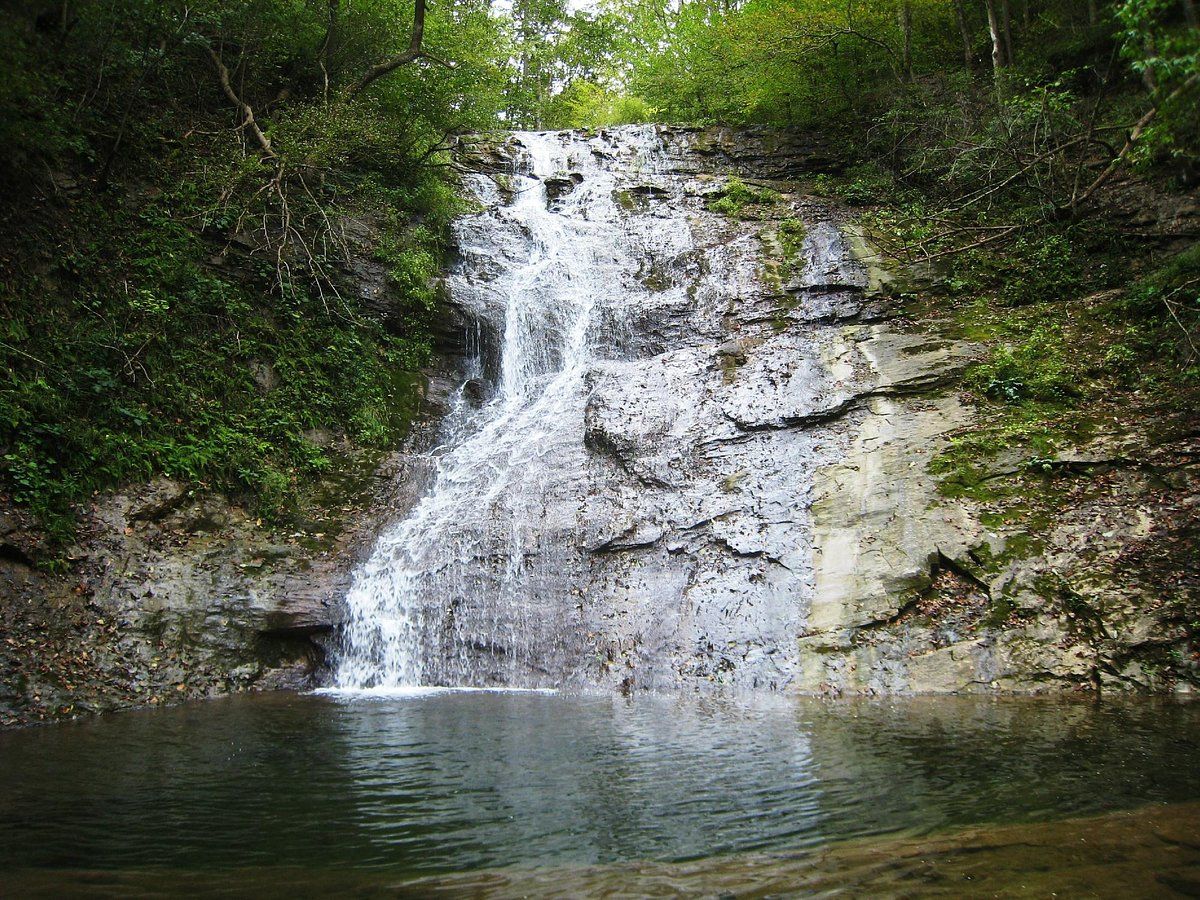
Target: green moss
[
  {"x": 791, "y": 234},
  {"x": 626, "y": 200},
  {"x": 739, "y": 200},
  {"x": 781, "y": 260},
  {"x": 1027, "y": 434},
  {"x": 729, "y": 366},
  {"x": 1038, "y": 366},
  {"x": 770, "y": 271},
  {"x": 998, "y": 614},
  {"x": 730, "y": 483},
  {"x": 657, "y": 282}
]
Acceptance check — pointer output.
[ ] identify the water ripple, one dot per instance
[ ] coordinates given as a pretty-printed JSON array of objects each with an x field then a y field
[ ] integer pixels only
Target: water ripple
[{"x": 449, "y": 781}]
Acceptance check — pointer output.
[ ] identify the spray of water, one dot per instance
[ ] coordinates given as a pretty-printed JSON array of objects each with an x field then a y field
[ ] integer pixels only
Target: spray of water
[{"x": 456, "y": 593}]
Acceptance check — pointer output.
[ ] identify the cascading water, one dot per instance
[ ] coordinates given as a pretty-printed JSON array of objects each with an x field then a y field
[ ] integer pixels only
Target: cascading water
[
  {"x": 452, "y": 595},
  {"x": 623, "y": 496}
]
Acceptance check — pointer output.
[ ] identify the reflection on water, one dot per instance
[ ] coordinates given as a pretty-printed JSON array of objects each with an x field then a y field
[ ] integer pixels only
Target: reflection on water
[{"x": 448, "y": 783}]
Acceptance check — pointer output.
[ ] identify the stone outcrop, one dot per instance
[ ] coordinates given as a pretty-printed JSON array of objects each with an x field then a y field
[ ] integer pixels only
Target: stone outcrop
[{"x": 761, "y": 500}]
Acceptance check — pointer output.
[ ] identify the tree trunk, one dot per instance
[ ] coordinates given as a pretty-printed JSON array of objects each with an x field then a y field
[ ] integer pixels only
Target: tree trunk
[
  {"x": 1093, "y": 13},
  {"x": 998, "y": 57},
  {"x": 411, "y": 55},
  {"x": 906, "y": 67},
  {"x": 323, "y": 50},
  {"x": 1006, "y": 21},
  {"x": 965, "y": 30},
  {"x": 1149, "y": 77},
  {"x": 1189, "y": 13}
]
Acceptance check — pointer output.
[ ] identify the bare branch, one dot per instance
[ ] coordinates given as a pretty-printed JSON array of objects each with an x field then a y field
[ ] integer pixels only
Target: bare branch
[
  {"x": 248, "y": 120},
  {"x": 407, "y": 57},
  {"x": 1142, "y": 124},
  {"x": 992, "y": 238}
]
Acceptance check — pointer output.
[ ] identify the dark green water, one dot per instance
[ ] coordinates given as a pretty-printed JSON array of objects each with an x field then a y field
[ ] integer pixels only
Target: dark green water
[{"x": 456, "y": 782}]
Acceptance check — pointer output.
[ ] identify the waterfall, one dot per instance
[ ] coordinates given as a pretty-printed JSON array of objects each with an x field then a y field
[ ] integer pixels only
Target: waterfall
[
  {"x": 623, "y": 494},
  {"x": 458, "y": 592}
]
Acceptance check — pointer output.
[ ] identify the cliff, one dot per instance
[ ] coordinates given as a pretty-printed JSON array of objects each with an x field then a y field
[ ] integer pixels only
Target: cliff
[{"x": 773, "y": 481}]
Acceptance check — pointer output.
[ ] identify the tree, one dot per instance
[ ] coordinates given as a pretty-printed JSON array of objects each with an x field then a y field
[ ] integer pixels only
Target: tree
[
  {"x": 414, "y": 51},
  {"x": 964, "y": 30},
  {"x": 995, "y": 30}
]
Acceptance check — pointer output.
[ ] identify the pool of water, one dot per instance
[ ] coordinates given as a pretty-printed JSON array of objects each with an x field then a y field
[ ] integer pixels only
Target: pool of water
[{"x": 429, "y": 788}]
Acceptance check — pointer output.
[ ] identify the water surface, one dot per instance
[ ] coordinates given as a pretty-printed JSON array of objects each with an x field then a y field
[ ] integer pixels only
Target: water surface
[{"x": 433, "y": 786}]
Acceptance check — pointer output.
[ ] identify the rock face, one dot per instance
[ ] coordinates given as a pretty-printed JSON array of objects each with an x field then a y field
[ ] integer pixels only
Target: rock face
[
  {"x": 1093, "y": 590},
  {"x": 729, "y": 477},
  {"x": 175, "y": 594},
  {"x": 645, "y": 506},
  {"x": 714, "y": 465}
]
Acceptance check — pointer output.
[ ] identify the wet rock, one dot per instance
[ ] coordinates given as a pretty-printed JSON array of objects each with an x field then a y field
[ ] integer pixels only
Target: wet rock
[
  {"x": 829, "y": 263},
  {"x": 689, "y": 559},
  {"x": 169, "y": 588},
  {"x": 762, "y": 152},
  {"x": 558, "y": 186},
  {"x": 490, "y": 154},
  {"x": 790, "y": 380},
  {"x": 156, "y": 500},
  {"x": 649, "y": 191},
  {"x": 21, "y": 540}
]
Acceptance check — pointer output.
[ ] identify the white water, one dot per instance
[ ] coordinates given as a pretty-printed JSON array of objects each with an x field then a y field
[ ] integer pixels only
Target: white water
[{"x": 551, "y": 278}]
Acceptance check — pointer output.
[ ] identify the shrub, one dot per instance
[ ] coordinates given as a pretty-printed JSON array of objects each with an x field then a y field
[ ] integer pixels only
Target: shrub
[
  {"x": 1037, "y": 368},
  {"x": 1040, "y": 268},
  {"x": 736, "y": 197}
]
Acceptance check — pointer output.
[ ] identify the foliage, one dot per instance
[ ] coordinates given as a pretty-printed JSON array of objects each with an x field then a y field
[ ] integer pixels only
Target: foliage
[
  {"x": 1036, "y": 368},
  {"x": 904, "y": 82},
  {"x": 740, "y": 200},
  {"x": 175, "y": 296},
  {"x": 1041, "y": 268},
  {"x": 1157, "y": 40},
  {"x": 1160, "y": 315},
  {"x": 586, "y": 104},
  {"x": 563, "y": 74},
  {"x": 155, "y": 361}
]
